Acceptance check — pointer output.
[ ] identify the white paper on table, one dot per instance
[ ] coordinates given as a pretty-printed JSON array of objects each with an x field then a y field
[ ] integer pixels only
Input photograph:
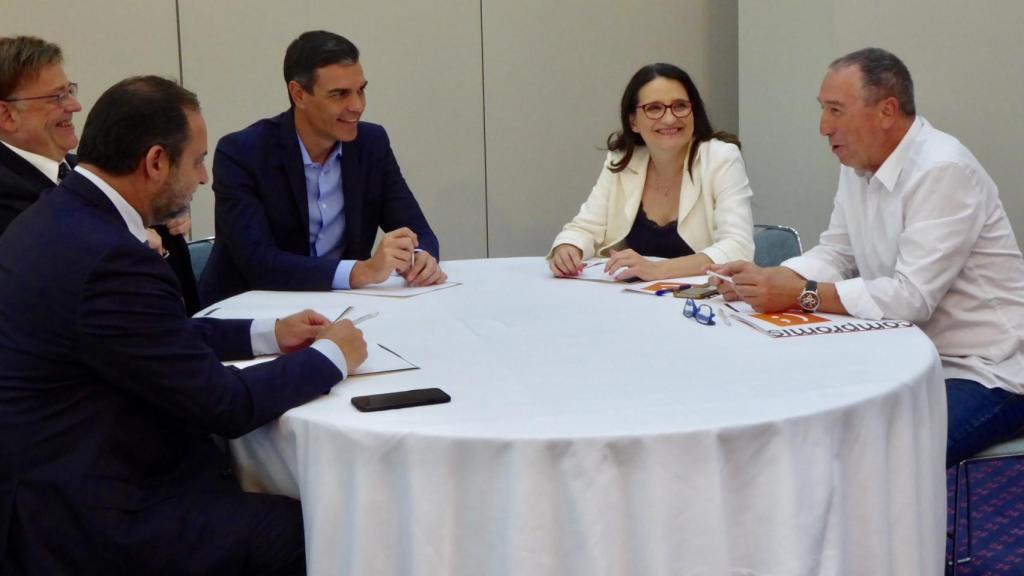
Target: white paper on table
[
  {"x": 396, "y": 287},
  {"x": 653, "y": 287},
  {"x": 379, "y": 360},
  {"x": 245, "y": 313},
  {"x": 594, "y": 270}
]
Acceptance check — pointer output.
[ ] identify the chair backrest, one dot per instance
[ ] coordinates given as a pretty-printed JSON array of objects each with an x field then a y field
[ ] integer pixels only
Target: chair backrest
[
  {"x": 774, "y": 244},
  {"x": 199, "y": 253}
]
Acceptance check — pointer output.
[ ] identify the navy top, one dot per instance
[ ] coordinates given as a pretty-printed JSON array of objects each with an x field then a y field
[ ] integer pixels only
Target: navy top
[{"x": 647, "y": 238}]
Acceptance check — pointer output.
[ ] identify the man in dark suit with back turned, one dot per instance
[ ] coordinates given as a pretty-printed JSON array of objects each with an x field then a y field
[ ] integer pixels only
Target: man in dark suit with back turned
[
  {"x": 109, "y": 392},
  {"x": 300, "y": 196},
  {"x": 37, "y": 105}
]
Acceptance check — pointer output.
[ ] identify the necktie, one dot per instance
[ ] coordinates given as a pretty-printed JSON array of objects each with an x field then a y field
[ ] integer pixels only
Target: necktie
[{"x": 62, "y": 171}]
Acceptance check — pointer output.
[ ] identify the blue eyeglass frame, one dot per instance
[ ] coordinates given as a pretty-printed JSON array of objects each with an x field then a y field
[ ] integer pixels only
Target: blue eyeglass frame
[{"x": 702, "y": 313}]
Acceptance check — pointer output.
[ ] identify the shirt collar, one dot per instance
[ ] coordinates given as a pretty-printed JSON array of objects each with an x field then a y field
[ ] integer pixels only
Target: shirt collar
[
  {"x": 307, "y": 161},
  {"x": 48, "y": 167},
  {"x": 130, "y": 216},
  {"x": 889, "y": 171}
]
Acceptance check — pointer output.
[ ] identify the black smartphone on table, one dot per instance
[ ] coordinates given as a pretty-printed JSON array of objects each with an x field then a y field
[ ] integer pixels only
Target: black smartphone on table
[
  {"x": 697, "y": 292},
  {"x": 404, "y": 399}
]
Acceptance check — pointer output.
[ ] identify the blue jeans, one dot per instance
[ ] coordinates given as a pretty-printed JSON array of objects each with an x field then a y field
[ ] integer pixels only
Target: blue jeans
[{"x": 979, "y": 417}]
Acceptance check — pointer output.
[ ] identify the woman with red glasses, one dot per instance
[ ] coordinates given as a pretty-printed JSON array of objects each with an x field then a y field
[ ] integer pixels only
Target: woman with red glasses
[{"x": 671, "y": 188}]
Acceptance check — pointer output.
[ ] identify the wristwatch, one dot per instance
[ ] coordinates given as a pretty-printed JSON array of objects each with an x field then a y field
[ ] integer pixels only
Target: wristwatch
[{"x": 809, "y": 299}]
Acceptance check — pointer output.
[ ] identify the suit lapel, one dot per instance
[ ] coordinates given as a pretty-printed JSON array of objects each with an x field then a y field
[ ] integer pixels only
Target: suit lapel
[
  {"x": 34, "y": 179},
  {"x": 352, "y": 183},
  {"x": 291, "y": 157},
  {"x": 633, "y": 178},
  {"x": 691, "y": 189},
  {"x": 81, "y": 186}
]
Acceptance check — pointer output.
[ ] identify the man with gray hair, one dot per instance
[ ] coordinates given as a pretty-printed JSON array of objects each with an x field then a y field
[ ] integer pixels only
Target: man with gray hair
[
  {"x": 37, "y": 133},
  {"x": 37, "y": 103},
  {"x": 917, "y": 233},
  {"x": 109, "y": 391}
]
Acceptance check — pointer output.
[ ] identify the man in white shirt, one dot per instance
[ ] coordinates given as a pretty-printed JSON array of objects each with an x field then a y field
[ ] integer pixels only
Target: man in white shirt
[{"x": 917, "y": 233}]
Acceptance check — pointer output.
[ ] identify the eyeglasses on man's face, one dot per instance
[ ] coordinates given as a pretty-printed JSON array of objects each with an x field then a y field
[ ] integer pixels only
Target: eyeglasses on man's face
[
  {"x": 702, "y": 313},
  {"x": 655, "y": 110},
  {"x": 60, "y": 98}
]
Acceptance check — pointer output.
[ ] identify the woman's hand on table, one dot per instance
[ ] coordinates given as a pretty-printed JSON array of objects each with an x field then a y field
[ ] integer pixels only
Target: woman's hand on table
[
  {"x": 566, "y": 260},
  {"x": 626, "y": 264}
]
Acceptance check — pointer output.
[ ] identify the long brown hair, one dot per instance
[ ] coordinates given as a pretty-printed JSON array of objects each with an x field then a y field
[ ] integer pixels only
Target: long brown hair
[{"x": 626, "y": 140}]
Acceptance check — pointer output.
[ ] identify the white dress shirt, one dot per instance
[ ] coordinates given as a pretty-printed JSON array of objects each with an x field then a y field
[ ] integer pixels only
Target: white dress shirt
[
  {"x": 262, "y": 330},
  {"x": 926, "y": 239}
]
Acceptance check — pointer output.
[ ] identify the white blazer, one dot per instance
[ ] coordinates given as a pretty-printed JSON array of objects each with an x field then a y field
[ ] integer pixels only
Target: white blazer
[{"x": 714, "y": 206}]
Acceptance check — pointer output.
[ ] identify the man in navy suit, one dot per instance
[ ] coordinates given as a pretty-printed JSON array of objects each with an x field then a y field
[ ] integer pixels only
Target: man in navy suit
[
  {"x": 109, "y": 392},
  {"x": 37, "y": 106},
  {"x": 300, "y": 196}
]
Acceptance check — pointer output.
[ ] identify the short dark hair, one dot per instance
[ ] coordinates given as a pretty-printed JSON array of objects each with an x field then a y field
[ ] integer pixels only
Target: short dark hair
[
  {"x": 626, "y": 140},
  {"x": 884, "y": 75},
  {"x": 316, "y": 49},
  {"x": 131, "y": 117},
  {"x": 22, "y": 58}
]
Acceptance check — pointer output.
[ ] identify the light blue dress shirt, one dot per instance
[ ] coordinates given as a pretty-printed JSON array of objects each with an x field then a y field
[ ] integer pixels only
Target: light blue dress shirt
[{"x": 326, "y": 202}]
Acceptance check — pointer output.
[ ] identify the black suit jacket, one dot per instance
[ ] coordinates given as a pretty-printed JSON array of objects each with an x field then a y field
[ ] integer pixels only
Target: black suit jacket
[
  {"x": 262, "y": 212},
  {"x": 21, "y": 184},
  {"x": 108, "y": 394}
]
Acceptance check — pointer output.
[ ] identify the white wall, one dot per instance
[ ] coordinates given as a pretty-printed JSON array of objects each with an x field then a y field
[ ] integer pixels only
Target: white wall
[
  {"x": 495, "y": 109},
  {"x": 965, "y": 59},
  {"x": 96, "y": 54}
]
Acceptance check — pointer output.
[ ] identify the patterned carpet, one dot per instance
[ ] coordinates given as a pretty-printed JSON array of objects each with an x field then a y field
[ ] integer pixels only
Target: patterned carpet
[{"x": 997, "y": 518}]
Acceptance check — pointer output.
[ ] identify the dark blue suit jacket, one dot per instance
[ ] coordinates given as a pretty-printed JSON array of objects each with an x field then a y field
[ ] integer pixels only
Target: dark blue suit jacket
[
  {"x": 21, "y": 183},
  {"x": 262, "y": 212},
  {"x": 108, "y": 395}
]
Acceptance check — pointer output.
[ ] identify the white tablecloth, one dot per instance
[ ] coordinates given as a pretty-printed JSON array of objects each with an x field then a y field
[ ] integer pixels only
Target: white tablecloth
[{"x": 596, "y": 432}]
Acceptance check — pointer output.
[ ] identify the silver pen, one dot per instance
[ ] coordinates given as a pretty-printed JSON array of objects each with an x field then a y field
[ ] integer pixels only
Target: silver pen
[{"x": 364, "y": 318}]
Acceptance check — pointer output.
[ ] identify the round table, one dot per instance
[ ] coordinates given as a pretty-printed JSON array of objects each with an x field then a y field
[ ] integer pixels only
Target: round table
[{"x": 594, "y": 431}]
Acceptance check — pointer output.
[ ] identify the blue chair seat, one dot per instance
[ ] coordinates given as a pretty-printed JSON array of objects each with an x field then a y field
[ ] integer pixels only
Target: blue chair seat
[
  {"x": 775, "y": 244},
  {"x": 199, "y": 253}
]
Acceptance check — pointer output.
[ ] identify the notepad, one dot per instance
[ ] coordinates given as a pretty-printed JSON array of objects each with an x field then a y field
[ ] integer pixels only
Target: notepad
[
  {"x": 792, "y": 323},
  {"x": 379, "y": 360}
]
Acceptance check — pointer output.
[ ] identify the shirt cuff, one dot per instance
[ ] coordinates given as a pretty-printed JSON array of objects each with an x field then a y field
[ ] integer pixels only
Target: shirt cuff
[
  {"x": 854, "y": 295},
  {"x": 812, "y": 269},
  {"x": 329, "y": 349},
  {"x": 342, "y": 274},
  {"x": 261, "y": 333}
]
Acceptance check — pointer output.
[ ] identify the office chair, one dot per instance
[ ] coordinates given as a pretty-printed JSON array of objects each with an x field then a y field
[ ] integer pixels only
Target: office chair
[
  {"x": 199, "y": 253},
  {"x": 774, "y": 244},
  {"x": 1013, "y": 448}
]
